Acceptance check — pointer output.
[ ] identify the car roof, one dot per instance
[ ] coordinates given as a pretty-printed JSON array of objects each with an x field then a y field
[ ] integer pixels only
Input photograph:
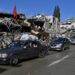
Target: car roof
[{"x": 26, "y": 41}]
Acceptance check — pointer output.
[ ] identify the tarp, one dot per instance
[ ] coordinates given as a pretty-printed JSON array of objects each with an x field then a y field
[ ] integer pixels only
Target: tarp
[{"x": 26, "y": 36}]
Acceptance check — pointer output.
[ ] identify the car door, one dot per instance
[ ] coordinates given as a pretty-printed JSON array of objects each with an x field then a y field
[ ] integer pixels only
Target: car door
[
  {"x": 17, "y": 50},
  {"x": 27, "y": 50},
  {"x": 19, "y": 53},
  {"x": 35, "y": 48},
  {"x": 32, "y": 49},
  {"x": 23, "y": 51}
]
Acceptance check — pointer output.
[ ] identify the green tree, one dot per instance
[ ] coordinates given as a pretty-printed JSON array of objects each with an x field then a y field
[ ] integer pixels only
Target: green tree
[{"x": 56, "y": 12}]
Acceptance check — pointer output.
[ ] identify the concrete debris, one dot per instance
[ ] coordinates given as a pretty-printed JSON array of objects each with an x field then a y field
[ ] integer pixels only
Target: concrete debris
[{"x": 40, "y": 27}]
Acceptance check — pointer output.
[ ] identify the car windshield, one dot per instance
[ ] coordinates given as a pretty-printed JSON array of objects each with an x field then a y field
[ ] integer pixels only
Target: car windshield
[
  {"x": 58, "y": 40},
  {"x": 73, "y": 37},
  {"x": 15, "y": 44}
]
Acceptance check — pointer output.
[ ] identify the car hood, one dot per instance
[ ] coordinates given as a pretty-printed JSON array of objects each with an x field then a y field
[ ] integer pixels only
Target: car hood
[
  {"x": 55, "y": 44},
  {"x": 72, "y": 39},
  {"x": 7, "y": 50}
]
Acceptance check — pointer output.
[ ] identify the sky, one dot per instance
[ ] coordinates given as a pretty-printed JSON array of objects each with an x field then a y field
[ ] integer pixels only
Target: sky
[{"x": 33, "y": 7}]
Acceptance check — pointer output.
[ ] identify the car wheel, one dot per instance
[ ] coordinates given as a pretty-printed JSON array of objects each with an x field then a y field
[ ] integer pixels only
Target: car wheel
[
  {"x": 42, "y": 54},
  {"x": 63, "y": 48},
  {"x": 14, "y": 61}
]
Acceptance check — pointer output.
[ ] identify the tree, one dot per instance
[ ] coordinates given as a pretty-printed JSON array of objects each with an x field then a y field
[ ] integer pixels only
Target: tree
[{"x": 56, "y": 12}]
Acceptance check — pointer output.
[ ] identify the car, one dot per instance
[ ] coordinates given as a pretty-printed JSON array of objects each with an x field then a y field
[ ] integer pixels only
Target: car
[
  {"x": 20, "y": 50},
  {"x": 59, "y": 44},
  {"x": 72, "y": 40}
]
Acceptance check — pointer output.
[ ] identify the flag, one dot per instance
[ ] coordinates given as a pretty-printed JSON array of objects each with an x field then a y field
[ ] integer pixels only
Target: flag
[{"x": 15, "y": 12}]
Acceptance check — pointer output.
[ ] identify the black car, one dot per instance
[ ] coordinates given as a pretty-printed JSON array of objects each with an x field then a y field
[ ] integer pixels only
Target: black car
[
  {"x": 19, "y": 50},
  {"x": 59, "y": 44}
]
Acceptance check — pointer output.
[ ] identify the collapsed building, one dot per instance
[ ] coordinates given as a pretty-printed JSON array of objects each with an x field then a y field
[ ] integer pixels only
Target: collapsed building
[
  {"x": 40, "y": 25},
  {"x": 8, "y": 19},
  {"x": 43, "y": 26},
  {"x": 9, "y": 26}
]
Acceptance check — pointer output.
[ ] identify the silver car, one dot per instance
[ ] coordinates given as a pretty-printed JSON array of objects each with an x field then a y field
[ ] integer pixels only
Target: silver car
[{"x": 59, "y": 44}]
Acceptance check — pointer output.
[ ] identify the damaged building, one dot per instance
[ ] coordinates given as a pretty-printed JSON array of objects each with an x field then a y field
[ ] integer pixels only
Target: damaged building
[{"x": 44, "y": 26}]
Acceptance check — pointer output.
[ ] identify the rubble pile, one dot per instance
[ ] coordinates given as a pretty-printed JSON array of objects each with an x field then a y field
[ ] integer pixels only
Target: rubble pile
[
  {"x": 34, "y": 28},
  {"x": 40, "y": 27}
]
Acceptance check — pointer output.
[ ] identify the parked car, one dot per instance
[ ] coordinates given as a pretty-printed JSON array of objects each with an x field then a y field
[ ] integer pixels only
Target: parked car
[
  {"x": 72, "y": 39},
  {"x": 19, "y": 50},
  {"x": 59, "y": 44}
]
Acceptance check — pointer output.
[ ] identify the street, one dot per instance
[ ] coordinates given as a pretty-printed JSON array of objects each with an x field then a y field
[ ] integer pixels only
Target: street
[{"x": 55, "y": 63}]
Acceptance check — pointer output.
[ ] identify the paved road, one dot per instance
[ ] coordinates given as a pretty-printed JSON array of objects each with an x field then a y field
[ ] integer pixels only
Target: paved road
[{"x": 56, "y": 63}]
